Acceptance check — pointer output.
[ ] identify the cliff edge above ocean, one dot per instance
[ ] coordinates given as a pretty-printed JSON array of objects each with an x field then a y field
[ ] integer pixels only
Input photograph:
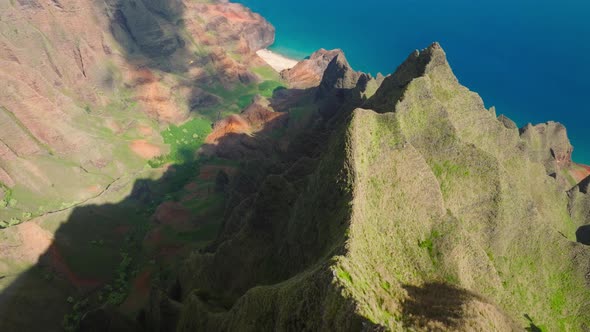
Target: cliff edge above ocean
[{"x": 159, "y": 175}]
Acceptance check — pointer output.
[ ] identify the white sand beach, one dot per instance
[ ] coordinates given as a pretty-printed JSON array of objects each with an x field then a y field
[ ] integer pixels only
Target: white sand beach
[{"x": 276, "y": 61}]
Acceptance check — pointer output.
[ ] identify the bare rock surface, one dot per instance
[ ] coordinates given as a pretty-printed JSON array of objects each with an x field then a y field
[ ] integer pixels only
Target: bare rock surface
[{"x": 308, "y": 73}]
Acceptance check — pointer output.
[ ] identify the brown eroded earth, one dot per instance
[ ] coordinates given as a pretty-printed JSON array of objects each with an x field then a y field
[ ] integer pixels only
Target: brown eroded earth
[
  {"x": 308, "y": 73},
  {"x": 35, "y": 241},
  {"x": 579, "y": 172},
  {"x": 145, "y": 149}
]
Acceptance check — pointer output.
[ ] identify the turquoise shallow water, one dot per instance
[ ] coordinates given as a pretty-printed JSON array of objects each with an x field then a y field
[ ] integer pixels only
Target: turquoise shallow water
[{"x": 530, "y": 59}]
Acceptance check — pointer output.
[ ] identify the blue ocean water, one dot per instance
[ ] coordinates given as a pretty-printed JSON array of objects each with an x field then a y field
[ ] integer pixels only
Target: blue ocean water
[{"x": 530, "y": 59}]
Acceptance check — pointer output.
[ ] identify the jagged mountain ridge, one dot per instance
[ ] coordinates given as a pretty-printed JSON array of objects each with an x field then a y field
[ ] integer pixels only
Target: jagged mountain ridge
[
  {"x": 432, "y": 202},
  {"x": 358, "y": 201}
]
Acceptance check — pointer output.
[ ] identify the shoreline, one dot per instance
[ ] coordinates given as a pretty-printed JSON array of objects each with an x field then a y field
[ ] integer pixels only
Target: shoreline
[{"x": 277, "y": 61}]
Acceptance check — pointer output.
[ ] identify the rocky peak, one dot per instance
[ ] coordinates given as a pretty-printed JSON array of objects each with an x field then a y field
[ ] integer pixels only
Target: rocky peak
[
  {"x": 342, "y": 89},
  {"x": 309, "y": 72},
  {"x": 548, "y": 143},
  {"x": 338, "y": 76},
  {"x": 419, "y": 63},
  {"x": 507, "y": 122}
]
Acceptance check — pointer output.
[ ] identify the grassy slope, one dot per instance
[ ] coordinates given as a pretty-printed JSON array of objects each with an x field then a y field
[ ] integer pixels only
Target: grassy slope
[
  {"x": 63, "y": 181},
  {"x": 501, "y": 230}
]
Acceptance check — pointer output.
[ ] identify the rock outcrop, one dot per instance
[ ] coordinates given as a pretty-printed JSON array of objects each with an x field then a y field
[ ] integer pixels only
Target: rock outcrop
[
  {"x": 417, "y": 64},
  {"x": 548, "y": 143},
  {"x": 309, "y": 72},
  {"x": 584, "y": 185},
  {"x": 507, "y": 122},
  {"x": 245, "y": 136},
  {"x": 341, "y": 87},
  {"x": 338, "y": 76}
]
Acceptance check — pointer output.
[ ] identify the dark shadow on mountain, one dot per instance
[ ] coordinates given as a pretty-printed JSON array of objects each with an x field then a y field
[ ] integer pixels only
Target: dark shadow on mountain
[
  {"x": 88, "y": 252},
  {"x": 83, "y": 273},
  {"x": 584, "y": 185},
  {"x": 583, "y": 235},
  {"x": 155, "y": 35},
  {"x": 435, "y": 302},
  {"x": 150, "y": 29}
]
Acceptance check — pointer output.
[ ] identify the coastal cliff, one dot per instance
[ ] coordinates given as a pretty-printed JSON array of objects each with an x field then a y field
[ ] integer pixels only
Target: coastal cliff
[{"x": 158, "y": 175}]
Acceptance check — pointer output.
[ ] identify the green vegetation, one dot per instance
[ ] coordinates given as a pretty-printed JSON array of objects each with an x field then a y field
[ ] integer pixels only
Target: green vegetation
[
  {"x": 117, "y": 293},
  {"x": 9, "y": 223},
  {"x": 184, "y": 140},
  {"x": 343, "y": 275},
  {"x": 245, "y": 100},
  {"x": 428, "y": 244},
  {"x": 71, "y": 320},
  {"x": 568, "y": 176},
  {"x": 111, "y": 294},
  {"x": 246, "y": 94},
  {"x": 267, "y": 88},
  {"x": 7, "y": 200},
  {"x": 267, "y": 73},
  {"x": 446, "y": 171}
]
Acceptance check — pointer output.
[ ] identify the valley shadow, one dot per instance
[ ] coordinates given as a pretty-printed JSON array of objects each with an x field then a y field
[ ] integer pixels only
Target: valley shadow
[
  {"x": 583, "y": 235},
  {"x": 149, "y": 32},
  {"x": 100, "y": 252},
  {"x": 97, "y": 245},
  {"x": 88, "y": 248}
]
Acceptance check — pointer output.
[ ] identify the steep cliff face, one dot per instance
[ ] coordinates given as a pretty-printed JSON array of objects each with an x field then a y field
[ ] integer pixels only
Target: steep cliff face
[
  {"x": 338, "y": 76},
  {"x": 342, "y": 88},
  {"x": 427, "y": 214},
  {"x": 548, "y": 144}
]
